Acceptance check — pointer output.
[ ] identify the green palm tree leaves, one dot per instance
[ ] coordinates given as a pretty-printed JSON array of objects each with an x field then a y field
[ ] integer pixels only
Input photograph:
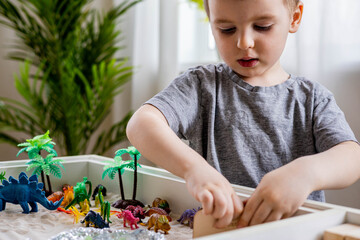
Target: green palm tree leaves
[
  {"x": 41, "y": 165},
  {"x": 112, "y": 167},
  {"x": 48, "y": 165},
  {"x": 34, "y": 146},
  {"x": 2, "y": 176},
  {"x": 132, "y": 151}
]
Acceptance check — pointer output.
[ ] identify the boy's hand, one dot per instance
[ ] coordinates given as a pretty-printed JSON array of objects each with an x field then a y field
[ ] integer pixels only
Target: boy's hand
[
  {"x": 215, "y": 194},
  {"x": 279, "y": 194}
]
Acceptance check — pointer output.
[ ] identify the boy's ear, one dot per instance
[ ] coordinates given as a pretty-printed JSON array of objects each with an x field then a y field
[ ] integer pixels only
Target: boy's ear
[{"x": 296, "y": 17}]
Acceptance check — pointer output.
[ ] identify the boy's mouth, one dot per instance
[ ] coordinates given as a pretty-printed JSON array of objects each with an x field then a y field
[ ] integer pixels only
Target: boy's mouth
[{"x": 248, "y": 62}]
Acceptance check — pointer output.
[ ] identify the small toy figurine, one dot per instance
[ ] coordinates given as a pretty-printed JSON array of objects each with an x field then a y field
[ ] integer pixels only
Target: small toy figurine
[
  {"x": 96, "y": 191},
  {"x": 137, "y": 211},
  {"x": 68, "y": 195},
  {"x": 161, "y": 203},
  {"x": 25, "y": 191},
  {"x": 104, "y": 205},
  {"x": 76, "y": 214},
  {"x": 95, "y": 220},
  {"x": 118, "y": 166},
  {"x": 159, "y": 211},
  {"x": 84, "y": 206},
  {"x": 158, "y": 222},
  {"x": 188, "y": 216},
  {"x": 80, "y": 193},
  {"x": 128, "y": 218},
  {"x": 56, "y": 196}
]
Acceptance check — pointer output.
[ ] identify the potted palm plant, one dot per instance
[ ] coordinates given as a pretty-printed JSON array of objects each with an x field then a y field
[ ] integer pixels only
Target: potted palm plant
[{"x": 69, "y": 75}]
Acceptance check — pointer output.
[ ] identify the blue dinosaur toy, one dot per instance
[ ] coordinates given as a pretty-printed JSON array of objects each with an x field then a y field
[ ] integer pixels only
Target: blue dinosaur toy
[
  {"x": 25, "y": 191},
  {"x": 94, "y": 219}
]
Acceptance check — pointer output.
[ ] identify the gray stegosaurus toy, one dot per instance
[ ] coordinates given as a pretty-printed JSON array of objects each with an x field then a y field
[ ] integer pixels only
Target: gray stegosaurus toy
[{"x": 25, "y": 191}]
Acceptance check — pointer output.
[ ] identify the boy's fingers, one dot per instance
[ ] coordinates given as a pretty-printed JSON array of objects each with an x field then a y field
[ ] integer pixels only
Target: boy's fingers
[
  {"x": 274, "y": 216},
  {"x": 233, "y": 212},
  {"x": 225, "y": 220},
  {"x": 249, "y": 210},
  {"x": 207, "y": 201},
  {"x": 222, "y": 204},
  {"x": 238, "y": 205},
  {"x": 261, "y": 214}
]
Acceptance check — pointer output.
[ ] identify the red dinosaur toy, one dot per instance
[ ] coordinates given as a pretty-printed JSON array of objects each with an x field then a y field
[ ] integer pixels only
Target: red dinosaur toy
[{"x": 127, "y": 216}]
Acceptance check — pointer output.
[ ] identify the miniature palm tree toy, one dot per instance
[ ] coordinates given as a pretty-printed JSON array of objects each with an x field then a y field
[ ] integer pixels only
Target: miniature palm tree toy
[
  {"x": 118, "y": 166},
  {"x": 2, "y": 176},
  {"x": 42, "y": 166}
]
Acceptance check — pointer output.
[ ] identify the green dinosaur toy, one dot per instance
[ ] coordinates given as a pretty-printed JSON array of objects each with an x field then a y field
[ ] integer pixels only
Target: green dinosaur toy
[
  {"x": 104, "y": 205},
  {"x": 80, "y": 193}
]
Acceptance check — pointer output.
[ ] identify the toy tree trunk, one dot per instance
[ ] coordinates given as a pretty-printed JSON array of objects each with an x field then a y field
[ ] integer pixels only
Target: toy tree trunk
[
  {"x": 135, "y": 178},
  {"x": 43, "y": 179},
  {"x": 121, "y": 185},
  {"x": 49, "y": 184}
]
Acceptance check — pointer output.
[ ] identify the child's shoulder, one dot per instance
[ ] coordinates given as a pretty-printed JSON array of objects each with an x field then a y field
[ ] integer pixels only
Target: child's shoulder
[{"x": 310, "y": 86}]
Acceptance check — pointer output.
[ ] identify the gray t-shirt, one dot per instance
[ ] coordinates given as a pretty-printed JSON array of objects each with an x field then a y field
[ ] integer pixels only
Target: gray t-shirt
[{"x": 245, "y": 131}]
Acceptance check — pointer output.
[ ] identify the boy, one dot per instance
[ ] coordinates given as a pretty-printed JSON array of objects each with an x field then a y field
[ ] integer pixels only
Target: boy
[{"x": 248, "y": 121}]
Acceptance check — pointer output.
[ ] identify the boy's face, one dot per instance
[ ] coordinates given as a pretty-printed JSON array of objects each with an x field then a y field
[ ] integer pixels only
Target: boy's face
[{"x": 251, "y": 34}]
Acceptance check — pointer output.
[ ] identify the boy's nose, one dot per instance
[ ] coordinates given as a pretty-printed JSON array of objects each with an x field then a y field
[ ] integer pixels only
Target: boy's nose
[{"x": 245, "y": 41}]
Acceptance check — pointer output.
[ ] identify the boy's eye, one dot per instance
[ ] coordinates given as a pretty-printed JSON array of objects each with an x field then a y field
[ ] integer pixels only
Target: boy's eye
[
  {"x": 228, "y": 30},
  {"x": 262, "y": 28}
]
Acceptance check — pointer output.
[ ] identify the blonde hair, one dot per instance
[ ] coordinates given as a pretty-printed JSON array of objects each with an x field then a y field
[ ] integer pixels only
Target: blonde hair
[{"x": 291, "y": 4}]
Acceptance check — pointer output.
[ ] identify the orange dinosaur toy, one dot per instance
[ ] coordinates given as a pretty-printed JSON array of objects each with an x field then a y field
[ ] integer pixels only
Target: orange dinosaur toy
[
  {"x": 68, "y": 195},
  {"x": 56, "y": 196}
]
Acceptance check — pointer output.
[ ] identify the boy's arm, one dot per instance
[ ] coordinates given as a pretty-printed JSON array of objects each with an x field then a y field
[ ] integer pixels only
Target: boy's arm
[
  {"x": 282, "y": 191},
  {"x": 150, "y": 133}
]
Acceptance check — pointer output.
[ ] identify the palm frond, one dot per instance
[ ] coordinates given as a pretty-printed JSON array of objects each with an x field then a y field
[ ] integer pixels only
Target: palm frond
[{"x": 55, "y": 170}]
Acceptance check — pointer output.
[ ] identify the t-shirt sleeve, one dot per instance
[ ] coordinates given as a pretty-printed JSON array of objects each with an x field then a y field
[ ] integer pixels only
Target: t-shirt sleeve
[
  {"x": 330, "y": 126},
  {"x": 180, "y": 103}
]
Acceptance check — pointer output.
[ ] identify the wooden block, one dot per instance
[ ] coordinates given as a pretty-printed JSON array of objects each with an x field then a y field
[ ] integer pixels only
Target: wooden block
[
  {"x": 340, "y": 232},
  {"x": 203, "y": 225}
]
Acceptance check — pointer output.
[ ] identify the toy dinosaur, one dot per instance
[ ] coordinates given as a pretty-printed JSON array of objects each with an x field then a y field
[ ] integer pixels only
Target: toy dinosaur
[
  {"x": 161, "y": 203},
  {"x": 137, "y": 211},
  {"x": 56, "y": 196},
  {"x": 128, "y": 218},
  {"x": 73, "y": 211},
  {"x": 94, "y": 219},
  {"x": 159, "y": 211},
  {"x": 76, "y": 214},
  {"x": 104, "y": 205},
  {"x": 80, "y": 193},
  {"x": 188, "y": 217},
  {"x": 25, "y": 191},
  {"x": 96, "y": 190},
  {"x": 84, "y": 207},
  {"x": 68, "y": 195},
  {"x": 158, "y": 222}
]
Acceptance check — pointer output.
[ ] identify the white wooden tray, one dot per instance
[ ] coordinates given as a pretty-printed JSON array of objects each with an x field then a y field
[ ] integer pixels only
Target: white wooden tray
[{"x": 311, "y": 220}]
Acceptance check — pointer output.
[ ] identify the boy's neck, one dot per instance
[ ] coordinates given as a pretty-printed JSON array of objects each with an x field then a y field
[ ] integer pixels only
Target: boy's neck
[{"x": 272, "y": 77}]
